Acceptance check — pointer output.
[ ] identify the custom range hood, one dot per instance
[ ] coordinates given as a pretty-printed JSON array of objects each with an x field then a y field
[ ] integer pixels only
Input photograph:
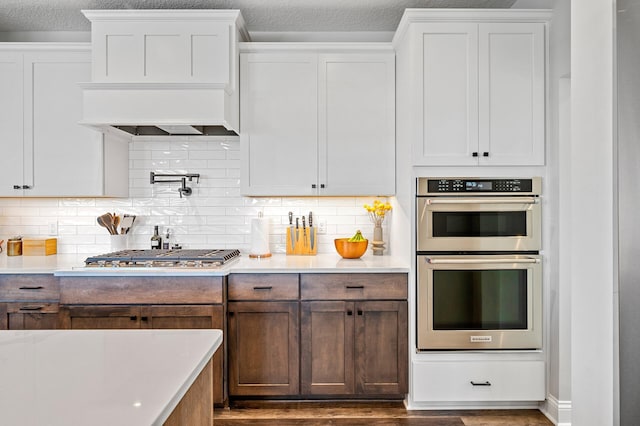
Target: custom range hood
[{"x": 164, "y": 72}]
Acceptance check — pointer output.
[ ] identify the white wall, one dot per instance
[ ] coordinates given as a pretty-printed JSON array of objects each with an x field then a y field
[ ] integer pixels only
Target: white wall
[
  {"x": 591, "y": 204},
  {"x": 558, "y": 405},
  {"x": 215, "y": 216}
]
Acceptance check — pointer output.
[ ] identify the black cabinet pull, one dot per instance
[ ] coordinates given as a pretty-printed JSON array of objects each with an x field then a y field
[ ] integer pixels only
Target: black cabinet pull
[
  {"x": 263, "y": 287},
  {"x": 144, "y": 318},
  {"x": 230, "y": 313},
  {"x": 474, "y": 154},
  {"x": 354, "y": 287},
  {"x": 359, "y": 311},
  {"x": 322, "y": 185},
  {"x": 133, "y": 318},
  {"x": 485, "y": 154},
  {"x": 36, "y": 287},
  {"x": 349, "y": 312},
  {"x": 313, "y": 185},
  {"x": 487, "y": 383},
  {"x": 17, "y": 186},
  {"x": 26, "y": 186},
  {"x": 31, "y": 308}
]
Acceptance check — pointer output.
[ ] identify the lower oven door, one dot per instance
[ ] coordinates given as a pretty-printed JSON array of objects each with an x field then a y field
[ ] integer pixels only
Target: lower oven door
[{"x": 479, "y": 302}]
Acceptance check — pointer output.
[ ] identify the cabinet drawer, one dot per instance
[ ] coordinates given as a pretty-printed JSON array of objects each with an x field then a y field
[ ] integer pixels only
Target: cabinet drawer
[
  {"x": 29, "y": 287},
  {"x": 32, "y": 308},
  {"x": 263, "y": 287},
  {"x": 353, "y": 286},
  {"x": 140, "y": 290},
  {"x": 478, "y": 381}
]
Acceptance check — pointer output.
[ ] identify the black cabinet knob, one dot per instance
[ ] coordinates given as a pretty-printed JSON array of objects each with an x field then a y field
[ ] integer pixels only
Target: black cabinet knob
[
  {"x": 485, "y": 154},
  {"x": 475, "y": 154}
]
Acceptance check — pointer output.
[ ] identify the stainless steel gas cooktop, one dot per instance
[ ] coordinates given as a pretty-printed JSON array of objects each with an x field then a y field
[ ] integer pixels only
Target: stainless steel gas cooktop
[{"x": 177, "y": 258}]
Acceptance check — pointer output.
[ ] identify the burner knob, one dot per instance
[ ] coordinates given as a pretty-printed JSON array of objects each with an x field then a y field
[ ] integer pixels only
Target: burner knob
[
  {"x": 198, "y": 264},
  {"x": 183, "y": 263},
  {"x": 148, "y": 263},
  {"x": 102, "y": 263},
  {"x": 115, "y": 264}
]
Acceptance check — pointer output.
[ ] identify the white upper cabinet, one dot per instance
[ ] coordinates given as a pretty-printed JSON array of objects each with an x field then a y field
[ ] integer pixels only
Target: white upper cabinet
[
  {"x": 356, "y": 134},
  {"x": 279, "y": 128},
  {"x": 479, "y": 87},
  {"x": 317, "y": 121},
  {"x": 46, "y": 153},
  {"x": 512, "y": 92}
]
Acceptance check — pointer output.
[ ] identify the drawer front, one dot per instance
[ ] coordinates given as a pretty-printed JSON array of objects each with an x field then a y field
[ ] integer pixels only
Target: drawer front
[
  {"x": 462, "y": 381},
  {"x": 353, "y": 286},
  {"x": 32, "y": 308},
  {"x": 29, "y": 287},
  {"x": 263, "y": 287},
  {"x": 141, "y": 290}
]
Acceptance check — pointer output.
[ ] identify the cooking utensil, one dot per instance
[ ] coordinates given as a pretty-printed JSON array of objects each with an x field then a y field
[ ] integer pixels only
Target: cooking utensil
[
  {"x": 304, "y": 232},
  {"x": 106, "y": 221},
  {"x": 1, "y": 242},
  {"x": 291, "y": 229},
  {"x": 297, "y": 229},
  {"x": 127, "y": 223},
  {"x": 311, "y": 230},
  {"x": 116, "y": 223}
]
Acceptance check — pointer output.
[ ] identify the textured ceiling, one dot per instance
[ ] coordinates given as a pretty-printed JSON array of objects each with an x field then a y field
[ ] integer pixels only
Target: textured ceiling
[{"x": 260, "y": 15}]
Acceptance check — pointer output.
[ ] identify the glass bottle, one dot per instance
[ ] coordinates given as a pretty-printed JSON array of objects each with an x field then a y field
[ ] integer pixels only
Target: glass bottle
[{"x": 156, "y": 239}]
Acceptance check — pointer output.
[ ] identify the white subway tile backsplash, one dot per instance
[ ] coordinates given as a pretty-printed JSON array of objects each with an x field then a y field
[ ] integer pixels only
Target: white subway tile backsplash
[{"x": 215, "y": 215}]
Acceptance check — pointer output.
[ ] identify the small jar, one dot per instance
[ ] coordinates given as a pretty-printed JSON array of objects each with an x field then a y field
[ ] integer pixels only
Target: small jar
[{"x": 14, "y": 247}]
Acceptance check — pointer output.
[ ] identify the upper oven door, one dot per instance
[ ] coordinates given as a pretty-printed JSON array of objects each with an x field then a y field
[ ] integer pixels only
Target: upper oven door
[{"x": 478, "y": 224}]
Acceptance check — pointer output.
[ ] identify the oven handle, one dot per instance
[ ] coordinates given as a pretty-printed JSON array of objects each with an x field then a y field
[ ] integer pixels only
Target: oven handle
[
  {"x": 480, "y": 200},
  {"x": 445, "y": 261}
]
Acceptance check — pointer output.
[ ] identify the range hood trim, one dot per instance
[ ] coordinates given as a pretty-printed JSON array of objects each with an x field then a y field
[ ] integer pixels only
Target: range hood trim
[{"x": 109, "y": 106}]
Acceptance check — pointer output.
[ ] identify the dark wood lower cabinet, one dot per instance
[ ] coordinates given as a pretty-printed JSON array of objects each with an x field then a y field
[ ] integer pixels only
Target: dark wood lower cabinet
[
  {"x": 263, "y": 348},
  {"x": 354, "y": 348},
  {"x": 92, "y": 317},
  {"x": 32, "y": 316},
  {"x": 327, "y": 349},
  {"x": 381, "y": 347}
]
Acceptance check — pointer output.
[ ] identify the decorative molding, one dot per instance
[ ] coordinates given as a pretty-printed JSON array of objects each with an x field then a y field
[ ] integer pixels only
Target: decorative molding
[
  {"x": 316, "y": 47},
  {"x": 41, "y": 46},
  {"x": 414, "y": 16},
  {"x": 559, "y": 412}
]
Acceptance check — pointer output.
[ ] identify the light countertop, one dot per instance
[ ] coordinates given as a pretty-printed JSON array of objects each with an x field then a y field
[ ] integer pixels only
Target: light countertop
[
  {"x": 73, "y": 265},
  {"x": 99, "y": 377}
]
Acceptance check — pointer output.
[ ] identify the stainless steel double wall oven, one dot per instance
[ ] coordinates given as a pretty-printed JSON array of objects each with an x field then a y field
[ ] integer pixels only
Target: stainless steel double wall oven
[{"x": 479, "y": 272}]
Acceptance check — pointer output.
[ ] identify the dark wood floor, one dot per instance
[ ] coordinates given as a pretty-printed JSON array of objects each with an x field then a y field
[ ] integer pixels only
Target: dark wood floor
[{"x": 371, "y": 414}]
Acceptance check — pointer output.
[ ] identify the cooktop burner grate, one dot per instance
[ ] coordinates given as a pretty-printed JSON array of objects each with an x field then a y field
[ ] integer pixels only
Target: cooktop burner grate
[{"x": 164, "y": 258}]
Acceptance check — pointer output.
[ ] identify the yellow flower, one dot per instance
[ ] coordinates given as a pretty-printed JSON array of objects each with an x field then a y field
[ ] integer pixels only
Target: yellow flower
[{"x": 377, "y": 211}]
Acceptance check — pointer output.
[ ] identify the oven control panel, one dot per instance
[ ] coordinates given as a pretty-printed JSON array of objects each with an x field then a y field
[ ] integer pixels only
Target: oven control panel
[{"x": 444, "y": 186}]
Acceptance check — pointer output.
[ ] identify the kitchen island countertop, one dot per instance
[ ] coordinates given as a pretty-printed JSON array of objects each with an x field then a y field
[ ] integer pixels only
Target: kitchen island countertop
[
  {"x": 99, "y": 377},
  {"x": 73, "y": 265}
]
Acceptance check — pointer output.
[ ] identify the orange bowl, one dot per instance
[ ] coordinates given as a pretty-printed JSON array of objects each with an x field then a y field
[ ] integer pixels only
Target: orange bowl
[{"x": 350, "y": 250}]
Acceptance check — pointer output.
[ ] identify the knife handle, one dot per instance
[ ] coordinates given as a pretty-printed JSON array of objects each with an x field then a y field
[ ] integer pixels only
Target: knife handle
[
  {"x": 290, "y": 218},
  {"x": 310, "y": 219}
]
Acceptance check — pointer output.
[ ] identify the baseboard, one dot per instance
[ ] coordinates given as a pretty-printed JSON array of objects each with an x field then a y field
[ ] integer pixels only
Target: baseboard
[{"x": 559, "y": 412}]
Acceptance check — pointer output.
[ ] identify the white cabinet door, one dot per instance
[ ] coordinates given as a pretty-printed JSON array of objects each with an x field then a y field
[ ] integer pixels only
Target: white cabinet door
[
  {"x": 481, "y": 94},
  {"x": 356, "y": 130},
  {"x": 11, "y": 123},
  {"x": 512, "y": 87},
  {"x": 449, "y": 88},
  {"x": 66, "y": 157},
  {"x": 278, "y": 126},
  {"x": 45, "y": 152}
]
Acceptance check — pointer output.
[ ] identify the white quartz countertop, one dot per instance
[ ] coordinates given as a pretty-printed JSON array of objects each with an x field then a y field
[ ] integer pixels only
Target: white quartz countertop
[
  {"x": 99, "y": 377},
  {"x": 73, "y": 265}
]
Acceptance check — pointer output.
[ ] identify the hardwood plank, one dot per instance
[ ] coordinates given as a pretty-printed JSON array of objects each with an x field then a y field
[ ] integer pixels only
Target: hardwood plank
[{"x": 341, "y": 413}]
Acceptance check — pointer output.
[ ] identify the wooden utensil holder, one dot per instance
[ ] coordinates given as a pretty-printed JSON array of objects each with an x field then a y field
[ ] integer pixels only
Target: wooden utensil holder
[{"x": 301, "y": 244}]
